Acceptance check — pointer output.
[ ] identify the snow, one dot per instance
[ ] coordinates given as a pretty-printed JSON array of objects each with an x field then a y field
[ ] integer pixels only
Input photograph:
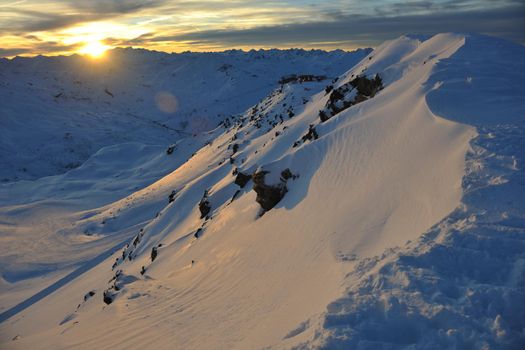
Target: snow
[
  {"x": 81, "y": 105},
  {"x": 403, "y": 226}
]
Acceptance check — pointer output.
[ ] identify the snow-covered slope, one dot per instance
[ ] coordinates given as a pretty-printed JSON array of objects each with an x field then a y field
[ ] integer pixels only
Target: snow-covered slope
[
  {"x": 76, "y": 105},
  {"x": 394, "y": 219}
]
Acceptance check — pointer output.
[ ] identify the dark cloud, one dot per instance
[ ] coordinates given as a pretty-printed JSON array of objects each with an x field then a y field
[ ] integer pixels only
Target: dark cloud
[
  {"x": 14, "y": 51},
  {"x": 141, "y": 40},
  {"x": 22, "y": 20},
  {"x": 27, "y": 21},
  {"x": 367, "y": 30},
  {"x": 42, "y": 48},
  {"x": 338, "y": 23},
  {"x": 114, "y": 7}
]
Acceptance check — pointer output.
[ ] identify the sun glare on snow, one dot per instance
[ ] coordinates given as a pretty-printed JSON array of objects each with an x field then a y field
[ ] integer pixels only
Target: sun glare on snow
[{"x": 94, "y": 49}]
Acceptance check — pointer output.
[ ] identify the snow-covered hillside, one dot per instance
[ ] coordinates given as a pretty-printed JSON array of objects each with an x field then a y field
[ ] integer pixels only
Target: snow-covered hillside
[
  {"x": 75, "y": 105},
  {"x": 381, "y": 209}
]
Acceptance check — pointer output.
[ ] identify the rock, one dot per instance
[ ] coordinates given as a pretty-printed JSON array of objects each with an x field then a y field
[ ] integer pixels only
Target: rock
[
  {"x": 267, "y": 195},
  {"x": 89, "y": 295},
  {"x": 286, "y": 174},
  {"x": 242, "y": 179},
  {"x": 204, "y": 205},
  {"x": 340, "y": 99},
  {"x": 294, "y": 78},
  {"x": 311, "y": 134},
  {"x": 323, "y": 116},
  {"x": 154, "y": 253},
  {"x": 108, "y": 297},
  {"x": 367, "y": 87},
  {"x": 171, "y": 197},
  {"x": 197, "y": 233},
  {"x": 108, "y": 92}
]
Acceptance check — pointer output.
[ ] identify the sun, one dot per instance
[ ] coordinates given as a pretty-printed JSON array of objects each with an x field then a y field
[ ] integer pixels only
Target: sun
[{"x": 94, "y": 49}]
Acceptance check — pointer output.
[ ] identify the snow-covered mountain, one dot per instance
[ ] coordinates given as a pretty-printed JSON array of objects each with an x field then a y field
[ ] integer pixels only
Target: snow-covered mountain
[
  {"x": 76, "y": 105},
  {"x": 384, "y": 208}
]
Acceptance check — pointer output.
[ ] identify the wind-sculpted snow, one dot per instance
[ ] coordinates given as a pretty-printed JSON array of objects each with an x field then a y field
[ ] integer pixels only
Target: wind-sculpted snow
[
  {"x": 462, "y": 284},
  {"x": 391, "y": 224}
]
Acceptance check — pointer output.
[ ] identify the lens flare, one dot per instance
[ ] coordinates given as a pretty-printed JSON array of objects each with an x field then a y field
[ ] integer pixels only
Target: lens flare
[{"x": 166, "y": 102}]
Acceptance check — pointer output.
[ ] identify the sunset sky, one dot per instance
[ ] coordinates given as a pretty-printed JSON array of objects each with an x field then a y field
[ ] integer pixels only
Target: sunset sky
[{"x": 50, "y": 27}]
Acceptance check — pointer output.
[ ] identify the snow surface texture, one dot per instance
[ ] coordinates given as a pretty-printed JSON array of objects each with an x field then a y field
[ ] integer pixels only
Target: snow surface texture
[
  {"x": 402, "y": 225},
  {"x": 77, "y": 105}
]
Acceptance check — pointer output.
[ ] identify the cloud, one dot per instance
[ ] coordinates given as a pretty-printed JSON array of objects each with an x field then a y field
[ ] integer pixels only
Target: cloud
[
  {"x": 113, "y": 7},
  {"x": 141, "y": 40},
  {"x": 223, "y": 24},
  {"x": 14, "y": 51},
  {"x": 41, "y": 47},
  {"x": 28, "y": 21},
  {"x": 368, "y": 30},
  {"x": 32, "y": 17}
]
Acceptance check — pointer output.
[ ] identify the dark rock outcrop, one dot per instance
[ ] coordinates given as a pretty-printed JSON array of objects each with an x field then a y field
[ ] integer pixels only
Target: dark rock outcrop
[
  {"x": 302, "y": 78},
  {"x": 242, "y": 179},
  {"x": 204, "y": 205},
  {"x": 108, "y": 297},
  {"x": 343, "y": 97},
  {"x": 154, "y": 253},
  {"x": 197, "y": 233},
  {"x": 269, "y": 195},
  {"x": 171, "y": 197},
  {"x": 311, "y": 134},
  {"x": 89, "y": 295}
]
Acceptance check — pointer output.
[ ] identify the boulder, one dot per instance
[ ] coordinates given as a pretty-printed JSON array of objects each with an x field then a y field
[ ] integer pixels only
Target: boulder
[
  {"x": 204, "y": 205},
  {"x": 108, "y": 297},
  {"x": 171, "y": 197},
  {"x": 154, "y": 253},
  {"x": 242, "y": 179},
  {"x": 197, "y": 233},
  {"x": 267, "y": 195},
  {"x": 89, "y": 295}
]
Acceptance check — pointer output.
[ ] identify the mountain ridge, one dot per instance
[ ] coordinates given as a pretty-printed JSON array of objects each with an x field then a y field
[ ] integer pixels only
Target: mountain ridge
[{"x": 391, "y": 230}]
